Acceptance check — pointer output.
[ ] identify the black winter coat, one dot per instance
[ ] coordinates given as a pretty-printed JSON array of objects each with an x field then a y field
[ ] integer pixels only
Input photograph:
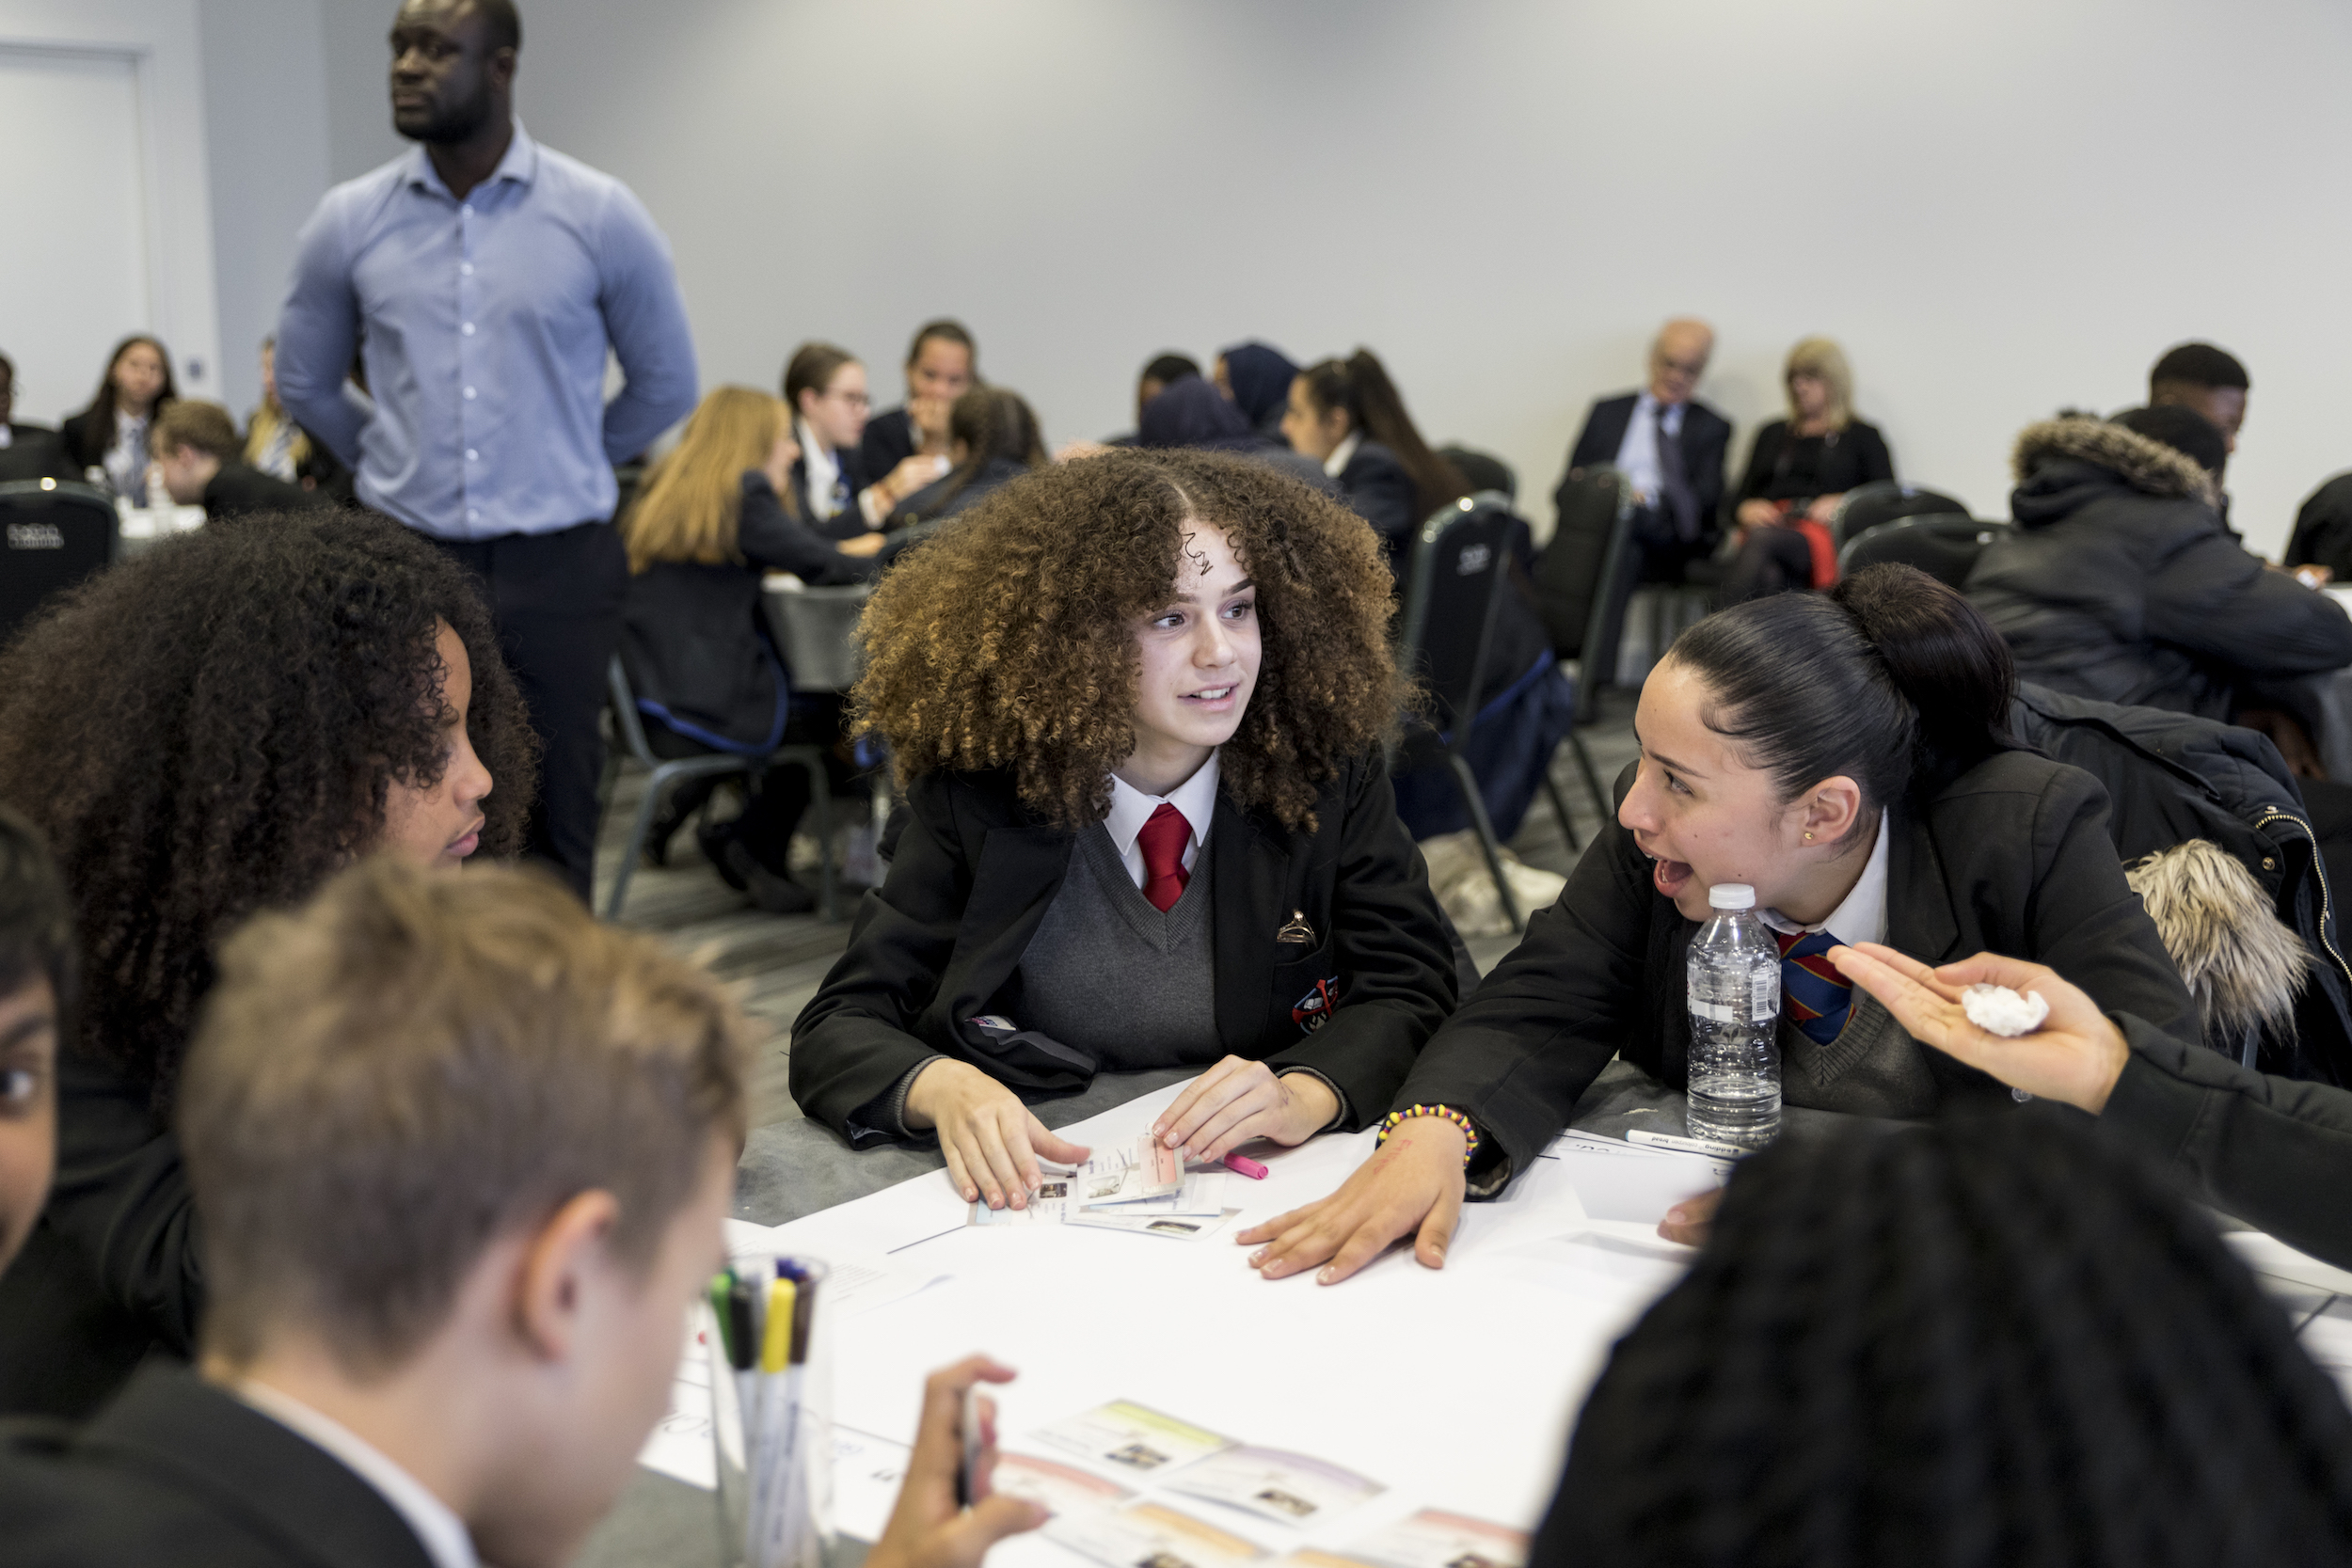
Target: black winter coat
[
  {"x": 2119, "y": 582},
  {"x": 2171, "y": 777}
]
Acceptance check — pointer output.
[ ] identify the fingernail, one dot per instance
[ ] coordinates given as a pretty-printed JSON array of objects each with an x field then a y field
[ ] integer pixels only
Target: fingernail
[
  {"x": 1326, "y": 1276},
  {"x": 1676, "y": 1214},
  {"x": 1257, "y": 1258}
]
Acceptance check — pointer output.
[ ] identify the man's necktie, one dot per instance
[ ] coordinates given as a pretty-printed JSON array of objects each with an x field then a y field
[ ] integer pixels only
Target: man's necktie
[
  {"x": 1674, "y": 485},
  {"x": 1818, "y": 998},
  {"x": 1162, "y": 840}
]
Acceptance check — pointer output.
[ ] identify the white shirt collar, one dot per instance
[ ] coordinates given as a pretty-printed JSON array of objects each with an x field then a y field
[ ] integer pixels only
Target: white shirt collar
[
  {"x": 823, "y": 466},
  {"x": 1669, "y": 419},
  {"x": 1863, "y": 916},
  {"x": 1343, "y": 454},
  {"x": 442, "y": 1534},
  {"x": 1131, "y": 808}
]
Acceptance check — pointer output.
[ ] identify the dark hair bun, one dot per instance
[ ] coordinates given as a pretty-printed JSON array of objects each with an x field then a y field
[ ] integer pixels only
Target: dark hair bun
[{"x": 1945, "y": 657}]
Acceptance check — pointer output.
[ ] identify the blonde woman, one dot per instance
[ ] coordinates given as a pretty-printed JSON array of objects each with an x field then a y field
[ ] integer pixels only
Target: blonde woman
[
  {"x": 712, "y": 519},
  {"x": 277, "y": 446},
  {"x": 1801, "y": 467}
]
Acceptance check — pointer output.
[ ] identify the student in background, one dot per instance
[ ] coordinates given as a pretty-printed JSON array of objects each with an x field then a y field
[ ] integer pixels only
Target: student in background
[
  {"x": 711, "y": 522},
  {"x": 27, "y": 451},
  {"x": 943, "y": 364},
  {"x": 205, "y": 730},
  {"x": 1164, "y": 372},
  {"x": 1258, "y": 377},
  {"x": 111, "y": 433},
  {"x": 1846, "y": 755},
  {"x": 994, "y": 440},
  {"x": 1192, "y": 413},
  {"x": 824, "y": 387},
  {"x": 1346, "y": 415},
  {"x": 1799, "y": 469},
  {"x": 199, "y": 459},
  {"x": 38, "y": 972},
  {"x": 1136, "y": 702},
  {"x": 467, "y": 1154},
  {"x": 277, "y": 446},
  {"x": 1992, "y": 1341}
]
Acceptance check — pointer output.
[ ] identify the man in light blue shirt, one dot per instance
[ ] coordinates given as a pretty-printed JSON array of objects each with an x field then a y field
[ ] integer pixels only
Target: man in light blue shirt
[{"x": 482, "y": 279}]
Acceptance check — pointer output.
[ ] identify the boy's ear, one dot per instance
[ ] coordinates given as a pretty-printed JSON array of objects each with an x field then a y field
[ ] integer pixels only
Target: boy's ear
[{"x": 559, "y": 1265}]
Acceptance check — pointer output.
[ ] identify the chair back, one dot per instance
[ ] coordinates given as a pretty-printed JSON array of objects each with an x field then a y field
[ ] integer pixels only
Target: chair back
[
  {"x": 1882, "y": 500},
  {"x": 1577, "y": 574},
  {"x": 1482, "y": 470},
  {"x": 56, "y": 533},
  {"x": 1452, "y": 597},
  {"x": 1942, "y": 546},
  {"x": 624, "y": 715},
  {"x": 816, "y": 631}
]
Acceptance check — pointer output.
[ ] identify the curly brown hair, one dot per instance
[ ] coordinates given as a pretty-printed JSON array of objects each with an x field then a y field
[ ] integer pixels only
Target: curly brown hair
[
  {"x": 1007, "y": 641},
  {"x": 211, "y": 729}
]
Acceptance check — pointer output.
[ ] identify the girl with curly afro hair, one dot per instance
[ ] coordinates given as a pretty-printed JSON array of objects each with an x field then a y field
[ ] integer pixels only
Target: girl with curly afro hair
[
  {"x": 207, "y": 731},
  {"x": 1137, "y": 703}
]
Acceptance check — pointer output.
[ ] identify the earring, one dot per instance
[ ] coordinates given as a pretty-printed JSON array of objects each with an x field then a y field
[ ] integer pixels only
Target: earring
[{"x": 1808, "y": 838}]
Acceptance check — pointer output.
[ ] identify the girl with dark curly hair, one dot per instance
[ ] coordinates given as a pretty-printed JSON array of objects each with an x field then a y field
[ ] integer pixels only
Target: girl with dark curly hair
[
  {"x": 1990, "y": 1341},
  {"x": 1137, "y": 703},
  {"x": 203, "y": 732}
]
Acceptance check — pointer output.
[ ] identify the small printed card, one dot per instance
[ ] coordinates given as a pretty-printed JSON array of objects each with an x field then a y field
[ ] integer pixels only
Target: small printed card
[
  {"x": 1432, "y": 1539},
  {"x": 1056, "y": 1488},
  {"x": 1152, "y": 1535},
  {"x": 1146, "y": 1168},
  {"x": 1288, "y": 1488},
  {"x": 1133, "y": 1437},
  {"x": 1174, "y": 1227}
]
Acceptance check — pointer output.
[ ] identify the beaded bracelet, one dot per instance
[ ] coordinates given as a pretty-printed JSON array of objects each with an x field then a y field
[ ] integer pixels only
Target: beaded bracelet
[{"x": 1394, "y": 1119}]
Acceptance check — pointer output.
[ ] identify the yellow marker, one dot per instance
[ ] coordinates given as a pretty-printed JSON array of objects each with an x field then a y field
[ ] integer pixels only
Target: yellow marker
[{"x": 775, "y": 1349}]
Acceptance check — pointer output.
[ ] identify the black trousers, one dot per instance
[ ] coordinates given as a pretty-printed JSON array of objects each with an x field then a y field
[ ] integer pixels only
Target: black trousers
[{"x": 556, "y": 598}]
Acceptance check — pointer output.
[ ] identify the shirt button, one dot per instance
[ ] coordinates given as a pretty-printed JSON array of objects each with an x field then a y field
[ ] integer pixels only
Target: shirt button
[
  {"x": 467, "y": 329},
  {"x": 471, "y": 515},
  {"x": 470, "y": 392},
  {"x": 466, "y": 267},
  {"x": 467, "y": 208},
  {"x": 472, "y": 456}
]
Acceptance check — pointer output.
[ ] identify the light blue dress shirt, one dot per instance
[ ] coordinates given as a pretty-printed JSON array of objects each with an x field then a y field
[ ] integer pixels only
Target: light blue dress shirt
[
  {"x": 484, "y": 326},
  {"x": 1637, "y": 454}
]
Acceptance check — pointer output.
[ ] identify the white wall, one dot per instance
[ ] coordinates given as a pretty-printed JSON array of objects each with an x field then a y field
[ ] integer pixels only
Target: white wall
[
  {"x": 2000, "y": 206},
  {"x": 266, "y": 127}
]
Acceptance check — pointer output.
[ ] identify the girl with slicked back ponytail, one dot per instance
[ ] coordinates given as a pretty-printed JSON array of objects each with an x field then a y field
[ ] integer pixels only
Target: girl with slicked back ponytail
[{"x": 1845, "y": 755}]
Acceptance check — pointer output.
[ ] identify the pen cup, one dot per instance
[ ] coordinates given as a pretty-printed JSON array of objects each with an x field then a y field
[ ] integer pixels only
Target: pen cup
[{"x": 771, "y": 1430}]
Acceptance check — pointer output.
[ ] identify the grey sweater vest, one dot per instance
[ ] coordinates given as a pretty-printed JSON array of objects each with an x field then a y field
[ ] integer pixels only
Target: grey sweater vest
[{"x": 1110, "y": 975}]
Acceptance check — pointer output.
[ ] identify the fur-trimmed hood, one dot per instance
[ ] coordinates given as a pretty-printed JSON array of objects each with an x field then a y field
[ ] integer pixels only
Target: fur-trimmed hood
[{"x": 2149, "y": 466}]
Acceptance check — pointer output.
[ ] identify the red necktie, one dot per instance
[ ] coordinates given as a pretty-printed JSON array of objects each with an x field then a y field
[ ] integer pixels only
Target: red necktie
[{"x": 1163, "y": 840}]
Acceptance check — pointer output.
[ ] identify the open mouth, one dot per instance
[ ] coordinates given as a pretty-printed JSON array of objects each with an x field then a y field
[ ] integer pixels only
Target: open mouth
[
  {"x": 1668, "y": 876},
  {"x": 1212, "y": 696}
]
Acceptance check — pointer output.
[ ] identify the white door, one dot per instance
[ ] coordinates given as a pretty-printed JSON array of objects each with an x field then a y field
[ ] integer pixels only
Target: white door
[{"x": 73, "y": 242}]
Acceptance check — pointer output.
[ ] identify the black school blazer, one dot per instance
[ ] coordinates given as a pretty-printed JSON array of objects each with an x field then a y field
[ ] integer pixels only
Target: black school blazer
[
  {"x": 971, "y": 872},
  {"x": 2012, "y": 857}
]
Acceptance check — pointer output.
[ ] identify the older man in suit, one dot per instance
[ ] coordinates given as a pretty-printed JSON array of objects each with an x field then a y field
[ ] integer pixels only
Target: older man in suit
[{"x": 1670, "y": 446}]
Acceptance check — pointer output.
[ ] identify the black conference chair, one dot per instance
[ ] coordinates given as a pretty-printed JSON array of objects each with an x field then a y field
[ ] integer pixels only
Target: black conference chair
[
  {"x": 1453, "y": 602},
  {"x": 1882, "y": 500},
  {"x": 1582, "y": 598},
  {"x": 669, "y": 772},
  {"x": 1942, "y": 546},
  {"x": 1482, "y": 470},
  {"x": 58, "y": 533}
]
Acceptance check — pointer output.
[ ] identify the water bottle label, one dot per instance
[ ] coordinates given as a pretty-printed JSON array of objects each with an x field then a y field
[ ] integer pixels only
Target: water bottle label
[
  {"x": 1765, "y": 998},
  {"x": 1715, "y": 1012}
]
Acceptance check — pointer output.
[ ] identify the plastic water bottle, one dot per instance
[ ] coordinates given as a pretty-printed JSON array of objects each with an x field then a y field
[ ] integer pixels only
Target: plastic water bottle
[{"x": 1735, "y": 1008}]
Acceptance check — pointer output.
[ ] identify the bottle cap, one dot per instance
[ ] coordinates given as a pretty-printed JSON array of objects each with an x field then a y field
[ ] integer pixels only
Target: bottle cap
[{"x": 1731, "y": 895}]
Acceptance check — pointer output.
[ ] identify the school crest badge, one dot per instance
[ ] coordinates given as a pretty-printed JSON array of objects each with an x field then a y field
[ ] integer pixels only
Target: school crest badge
[{"x": 1312, "y": 1010}]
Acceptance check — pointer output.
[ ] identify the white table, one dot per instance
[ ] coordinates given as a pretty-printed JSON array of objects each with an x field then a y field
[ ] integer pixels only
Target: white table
[{"x": 1455, "y": 1388}]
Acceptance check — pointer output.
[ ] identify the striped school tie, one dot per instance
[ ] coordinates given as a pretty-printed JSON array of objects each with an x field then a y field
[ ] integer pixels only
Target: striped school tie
[{"x": 1819, "y": 997}]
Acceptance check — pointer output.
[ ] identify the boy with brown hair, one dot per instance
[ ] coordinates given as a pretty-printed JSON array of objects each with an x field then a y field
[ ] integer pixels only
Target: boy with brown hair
[
  {"x": 463, "y": 1156},
  {"x": 201, "y": 459}
]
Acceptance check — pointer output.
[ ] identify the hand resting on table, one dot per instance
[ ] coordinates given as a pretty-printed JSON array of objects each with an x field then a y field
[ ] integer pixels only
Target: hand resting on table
[{"x": 1239, "y": 1099}]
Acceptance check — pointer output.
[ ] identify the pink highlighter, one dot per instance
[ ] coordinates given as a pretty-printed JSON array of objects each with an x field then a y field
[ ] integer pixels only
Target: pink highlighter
[{"x": 1247, "y": 1166}]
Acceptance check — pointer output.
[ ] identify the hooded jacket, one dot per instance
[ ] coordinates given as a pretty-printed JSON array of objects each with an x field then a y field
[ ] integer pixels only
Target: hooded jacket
[{"x": 2119, "y": 582}]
